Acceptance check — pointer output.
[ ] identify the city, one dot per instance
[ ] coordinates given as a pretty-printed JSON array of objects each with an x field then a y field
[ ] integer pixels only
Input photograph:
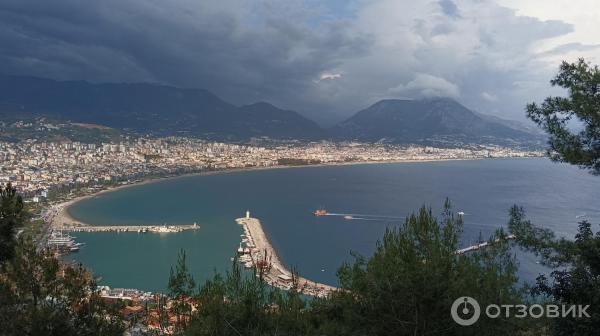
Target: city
[
  {"x": 283, "y": 168},
  {"x": 37, "y": 167}
]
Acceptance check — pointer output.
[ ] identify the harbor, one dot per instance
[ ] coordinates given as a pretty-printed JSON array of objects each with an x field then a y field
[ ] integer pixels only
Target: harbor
[
  {"x": 62, "y": 243},
  {"x": 302, "y": 241},
  {"x": 255, "y": 251},
  {"x": 59, "y": 220}
]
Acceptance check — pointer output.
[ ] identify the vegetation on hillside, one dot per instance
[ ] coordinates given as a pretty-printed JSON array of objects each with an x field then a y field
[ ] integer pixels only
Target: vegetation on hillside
[
  {"x": 561, "y": 117},
  {"x": 40, "y": 295}
]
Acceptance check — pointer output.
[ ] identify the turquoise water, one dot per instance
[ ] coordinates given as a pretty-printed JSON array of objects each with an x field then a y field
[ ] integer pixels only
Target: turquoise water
[{"x": 284, "y": 199}]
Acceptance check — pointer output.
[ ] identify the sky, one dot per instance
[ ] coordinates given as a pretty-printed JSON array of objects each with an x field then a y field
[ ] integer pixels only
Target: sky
[{"x": 325, "y": 59}]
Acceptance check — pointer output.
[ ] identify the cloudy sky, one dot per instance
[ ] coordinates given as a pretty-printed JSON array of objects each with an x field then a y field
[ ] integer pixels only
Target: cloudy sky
[{"x": 326, "y": 59}]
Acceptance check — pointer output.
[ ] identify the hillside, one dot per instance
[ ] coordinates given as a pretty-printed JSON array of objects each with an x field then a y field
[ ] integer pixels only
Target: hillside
[
  {"x": 427, "y": 120},
  {"x": 165, "y": 110},
  {"x": 158, "y": 109}
]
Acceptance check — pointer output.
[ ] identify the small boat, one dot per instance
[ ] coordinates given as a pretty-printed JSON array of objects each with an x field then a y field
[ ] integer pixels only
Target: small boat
[
  {"x": 348, "y": 217},
  {"x": 320, "y": 212}
]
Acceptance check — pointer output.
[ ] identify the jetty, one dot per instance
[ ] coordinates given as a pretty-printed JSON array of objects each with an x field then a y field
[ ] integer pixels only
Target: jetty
[
  {"x": 482, "y": 245},
  {"x": 129, "y": 228},
  {"x": 258, "y": 253}
]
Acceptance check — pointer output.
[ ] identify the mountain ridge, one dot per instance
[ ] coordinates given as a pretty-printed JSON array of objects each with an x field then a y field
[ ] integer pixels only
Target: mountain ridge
[{"x": 166, "y": 110}]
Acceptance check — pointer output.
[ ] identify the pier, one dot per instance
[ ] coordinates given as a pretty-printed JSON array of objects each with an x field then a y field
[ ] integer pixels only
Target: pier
[
  {"x": 129, "y": 228},
  {"x": 482, "y": 245},
  {"x": 258, "y": 253}
]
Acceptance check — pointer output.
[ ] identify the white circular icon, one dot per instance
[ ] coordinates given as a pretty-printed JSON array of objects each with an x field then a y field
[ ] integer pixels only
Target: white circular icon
[{"x": 465, "y": 306}]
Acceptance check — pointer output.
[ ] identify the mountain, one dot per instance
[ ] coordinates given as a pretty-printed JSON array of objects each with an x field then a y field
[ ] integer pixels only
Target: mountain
[
  {"x": 530, "y": 127},
  {"x": 263, "y": 118},
  {"x": 158, "y": 109},
  {"x": 166, "y": 110},
  {"x": 426, "y": 120}
]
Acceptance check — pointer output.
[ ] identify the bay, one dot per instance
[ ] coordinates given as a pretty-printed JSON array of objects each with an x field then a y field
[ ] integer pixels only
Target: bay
[{"x": 284, "y": 199}]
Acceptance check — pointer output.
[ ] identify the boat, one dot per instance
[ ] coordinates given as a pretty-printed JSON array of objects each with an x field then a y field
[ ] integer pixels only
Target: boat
[
  {"x": 320, "y": 212},
  {"x": 63, "y": 243},
  {"x": 348, "y": 217}
]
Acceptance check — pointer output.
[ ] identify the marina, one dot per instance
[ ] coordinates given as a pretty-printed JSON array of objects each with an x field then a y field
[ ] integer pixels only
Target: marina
[
  {"x": 258, "y": 253},
  {"x": 62, "y": 243}
]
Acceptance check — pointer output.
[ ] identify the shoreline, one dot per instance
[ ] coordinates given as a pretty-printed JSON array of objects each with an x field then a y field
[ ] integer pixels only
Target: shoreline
[{"x": 58, "y": 214}]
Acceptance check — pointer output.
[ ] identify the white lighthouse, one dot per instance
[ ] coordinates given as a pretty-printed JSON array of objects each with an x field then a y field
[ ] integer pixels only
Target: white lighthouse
[{"x": 247, "y": 214}]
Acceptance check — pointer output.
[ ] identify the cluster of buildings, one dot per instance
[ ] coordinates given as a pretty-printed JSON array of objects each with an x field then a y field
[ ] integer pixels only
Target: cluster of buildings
[
  {"x": 35, "y": 167},
  {"x": 144, "y": 312}
]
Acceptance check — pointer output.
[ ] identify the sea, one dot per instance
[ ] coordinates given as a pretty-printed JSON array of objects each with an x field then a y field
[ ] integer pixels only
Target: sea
[{"x": 377, "y": 196}]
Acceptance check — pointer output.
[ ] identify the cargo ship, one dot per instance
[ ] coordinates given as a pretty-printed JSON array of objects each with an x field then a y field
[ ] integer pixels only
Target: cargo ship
[{"x": 320, "y": 212}]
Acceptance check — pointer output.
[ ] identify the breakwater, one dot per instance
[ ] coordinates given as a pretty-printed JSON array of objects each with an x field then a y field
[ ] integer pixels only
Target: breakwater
[
  {"x": 129, "y": 228},
  {"x": 259, "y": 253}
]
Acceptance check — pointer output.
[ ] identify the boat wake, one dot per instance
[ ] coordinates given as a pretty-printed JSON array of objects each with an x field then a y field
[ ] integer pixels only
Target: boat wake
[{"x": 351, "y": 216}]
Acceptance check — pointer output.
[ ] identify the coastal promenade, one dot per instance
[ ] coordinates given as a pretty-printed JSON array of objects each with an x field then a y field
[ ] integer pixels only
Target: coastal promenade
[{"x": 259, "y": 253}]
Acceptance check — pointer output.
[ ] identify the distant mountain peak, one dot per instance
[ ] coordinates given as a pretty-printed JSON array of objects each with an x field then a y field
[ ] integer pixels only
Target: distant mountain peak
[{"x": 425, "y": 120}]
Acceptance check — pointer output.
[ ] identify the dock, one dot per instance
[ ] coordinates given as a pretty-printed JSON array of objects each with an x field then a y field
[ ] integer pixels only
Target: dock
[
  {"x": 482, "y": 245},
  {"x": 258, "y": 253},
  {"x": 129, "y": 228}
]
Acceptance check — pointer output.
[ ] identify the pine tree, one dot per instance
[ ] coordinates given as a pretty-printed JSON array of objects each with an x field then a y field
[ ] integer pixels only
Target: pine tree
[
  {"x": 558, "y": 115},
  {"x": 181, "y": 288}
]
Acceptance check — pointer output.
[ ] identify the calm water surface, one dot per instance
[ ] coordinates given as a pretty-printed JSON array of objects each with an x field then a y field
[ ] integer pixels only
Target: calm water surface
[{"x": 284, "y": 199}]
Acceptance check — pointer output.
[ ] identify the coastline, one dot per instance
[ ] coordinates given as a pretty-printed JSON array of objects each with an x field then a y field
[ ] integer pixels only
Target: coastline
[
  {"x": 311, "y": 285},
  {"x": 58, "y": 214}
]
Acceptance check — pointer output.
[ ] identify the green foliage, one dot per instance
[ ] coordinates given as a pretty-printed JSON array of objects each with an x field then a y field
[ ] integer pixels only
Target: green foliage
[
  {"x": 582, "y": 81},
  {"x": 410, "y": 283},
  {"x": 576, "y": 276},
  {"x": 243, "y": 304},
  {"x": 181, "y": 288},
  {"x": 406, "y": 288},
  {"x": 11, "y": 217},
  {"x": 38, "y": 296},
  {"x": 296, "y": 162}
]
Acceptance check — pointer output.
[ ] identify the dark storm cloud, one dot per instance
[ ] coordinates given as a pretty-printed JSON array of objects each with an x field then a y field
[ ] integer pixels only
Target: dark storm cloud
[
  {"x": 298, "y": 56},
  {"x": 243, "y": 54}
]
